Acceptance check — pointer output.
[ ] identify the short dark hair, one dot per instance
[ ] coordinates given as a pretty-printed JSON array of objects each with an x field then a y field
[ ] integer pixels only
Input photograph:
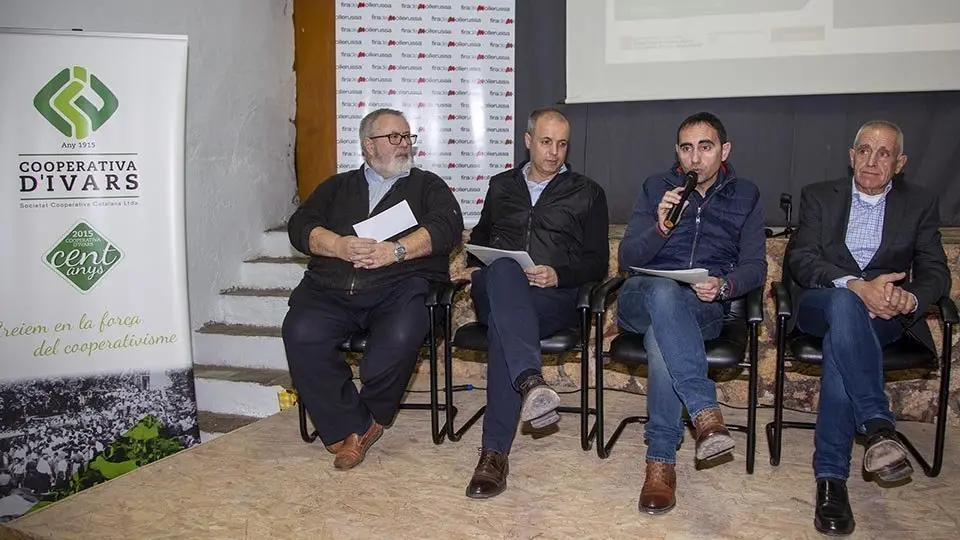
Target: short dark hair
[
  {"x": 547, "y": 111},
  {"x": 704, "y": 118}
]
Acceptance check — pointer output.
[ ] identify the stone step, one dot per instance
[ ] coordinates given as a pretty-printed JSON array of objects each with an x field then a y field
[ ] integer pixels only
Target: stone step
[
  {"x": 276, "y": 243},
  {"x": 240, "y": 345},
  {"x": 272, "y": 272},
  {"x": 257, "y": 307},
  {"x": 239, "y": 391},
  {"x": 212, "y": 425}
]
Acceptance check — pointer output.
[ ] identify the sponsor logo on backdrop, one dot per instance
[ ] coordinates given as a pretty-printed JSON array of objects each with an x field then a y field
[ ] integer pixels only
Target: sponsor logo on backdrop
[
  {"x": 83, "y": 257},
  {"x": 83, "y": 180},
  {"x": 63, "y": 102}
]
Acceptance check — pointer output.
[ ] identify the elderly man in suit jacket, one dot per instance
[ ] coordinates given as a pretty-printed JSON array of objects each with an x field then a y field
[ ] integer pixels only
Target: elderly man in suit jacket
[{"x": 868, "y": 256}]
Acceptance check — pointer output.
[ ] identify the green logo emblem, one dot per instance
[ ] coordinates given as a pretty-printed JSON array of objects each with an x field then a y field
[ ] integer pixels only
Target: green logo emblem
[
  {"x": 83, "y": 256},
  {"x": 61, "y": 102}
]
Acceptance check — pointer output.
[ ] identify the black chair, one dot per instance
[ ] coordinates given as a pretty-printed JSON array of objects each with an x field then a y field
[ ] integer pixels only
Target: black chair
[
  {"x": 734, "y": 350},
  {"x": 907, "y": 353},
  {"x": 357, "y": 344},
  {"x": 473, "y": 336}
]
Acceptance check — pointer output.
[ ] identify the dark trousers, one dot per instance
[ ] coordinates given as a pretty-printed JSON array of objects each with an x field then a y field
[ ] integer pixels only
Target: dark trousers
[
  {"x": 517, "y": 316},
  {"x": 851, "y": 386},
  {"x": 320, "y": 320}
]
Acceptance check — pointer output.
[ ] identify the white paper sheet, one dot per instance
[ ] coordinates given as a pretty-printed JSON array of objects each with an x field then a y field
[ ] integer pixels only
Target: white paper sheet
[
  {"x": 688, "y": 275},
  {"x": 388, "y": 223},
  {"x": 488, "y": 255}
]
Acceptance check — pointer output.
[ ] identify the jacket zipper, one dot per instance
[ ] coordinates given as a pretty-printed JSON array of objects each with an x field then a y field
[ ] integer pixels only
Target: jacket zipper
[
  {"x": 529, "y": 225},
  {"x": 696, "y": 232},
  {"x": 353, "y": 274},
  {"x": 523, "y": 183}
]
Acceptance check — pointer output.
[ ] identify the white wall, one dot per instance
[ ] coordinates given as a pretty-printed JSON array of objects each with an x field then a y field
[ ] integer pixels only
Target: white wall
[{"x": 241, "y": 101}]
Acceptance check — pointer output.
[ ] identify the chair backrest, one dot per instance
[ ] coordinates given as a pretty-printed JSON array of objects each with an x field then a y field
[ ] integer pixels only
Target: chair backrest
[{"x": 792, "y": 286}]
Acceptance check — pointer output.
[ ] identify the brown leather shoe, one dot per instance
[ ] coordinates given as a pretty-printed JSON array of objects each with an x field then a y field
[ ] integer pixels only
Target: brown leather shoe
[
  {"x": 658, "y": 495},
  {"x": 490, "y": 476},
  {"x": 333, "y": 448},
  {"x": 354, "y": 448},
  {"x": 713, "y": 438}
]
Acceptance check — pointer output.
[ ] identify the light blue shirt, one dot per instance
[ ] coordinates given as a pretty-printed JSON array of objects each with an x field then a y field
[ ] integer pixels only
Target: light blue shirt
[
  {"x": 378, "y": 186},
  {"x": 865, "y": 229},
  {"x": 536, "y": 188}
]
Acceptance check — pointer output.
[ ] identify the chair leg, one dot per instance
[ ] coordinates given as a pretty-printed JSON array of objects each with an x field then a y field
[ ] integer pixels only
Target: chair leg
[
  {"x": 598, "y": 383},
  {"x": 752, "y": 398},
  {"x": 436, "y": 432},
  {"x": 586, "y": 433},
  {"x": 775, "y": 428},
  {"x": 453, "y": 434},
  {"x": 305, "y": 433},
  {"x": 943, "y": 397},
  {"x": 604, "y": 447}
]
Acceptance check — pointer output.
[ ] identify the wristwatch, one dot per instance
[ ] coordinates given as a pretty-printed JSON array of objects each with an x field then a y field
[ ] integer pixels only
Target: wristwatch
[
  {"x": 724, "y": 292},
  {"x": 399, "y": 251}
]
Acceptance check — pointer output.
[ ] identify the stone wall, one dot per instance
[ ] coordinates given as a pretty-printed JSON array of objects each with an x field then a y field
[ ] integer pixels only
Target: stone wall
[{"x": 913, "y": 396}]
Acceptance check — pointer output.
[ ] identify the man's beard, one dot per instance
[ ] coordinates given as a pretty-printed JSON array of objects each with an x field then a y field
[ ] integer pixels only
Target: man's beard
[{"x": 394, "y": 165}]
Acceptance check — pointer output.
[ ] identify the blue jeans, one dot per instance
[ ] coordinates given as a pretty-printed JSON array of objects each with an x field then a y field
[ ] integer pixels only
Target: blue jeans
[
  {"x": 674, "y": 324},
  {"x": 517, "y": 316},
  {"x": 851, "y": 386}
]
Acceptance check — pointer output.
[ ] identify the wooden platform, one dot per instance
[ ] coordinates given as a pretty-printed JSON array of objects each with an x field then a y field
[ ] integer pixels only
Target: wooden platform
[{"x": 262, "y": 482}]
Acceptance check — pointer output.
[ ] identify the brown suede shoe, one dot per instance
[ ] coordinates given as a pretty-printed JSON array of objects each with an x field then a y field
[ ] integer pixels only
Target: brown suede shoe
[
  {"x": 713, "y": 438},
  {"x": 354, "y": 448},
  {"x": 490, "y": 476},
  {"x": 658, "y": 495}
]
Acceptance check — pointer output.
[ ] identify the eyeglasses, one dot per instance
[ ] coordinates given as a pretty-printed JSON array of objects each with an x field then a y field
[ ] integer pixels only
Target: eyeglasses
[{"x": 395, "y": 138}]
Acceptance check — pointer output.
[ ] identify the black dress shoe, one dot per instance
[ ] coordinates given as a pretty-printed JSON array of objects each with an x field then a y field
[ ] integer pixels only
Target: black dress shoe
[
  {"x": 833, "y": 515},
  {"x": 886, "y": 457},
  {"x": 490, "y": 476}
]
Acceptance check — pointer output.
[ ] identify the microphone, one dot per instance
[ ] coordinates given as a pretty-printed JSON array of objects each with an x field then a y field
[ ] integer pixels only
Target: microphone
[{"x": 689, "y": 184}]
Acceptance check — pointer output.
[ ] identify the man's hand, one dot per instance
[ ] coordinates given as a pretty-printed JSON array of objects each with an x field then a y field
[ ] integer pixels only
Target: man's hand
[
  {"x": 902, "y": 302},
  {"x": 669, "y": 200},
  {"x": 352, "y": 249},
  {"x": 541, "y": 276},
  {"x": 708, "y": 290},
  {"x": 464, "y": 274},
  {"x": 879, "y": 293},
  {"x": 382, "y": 254}
]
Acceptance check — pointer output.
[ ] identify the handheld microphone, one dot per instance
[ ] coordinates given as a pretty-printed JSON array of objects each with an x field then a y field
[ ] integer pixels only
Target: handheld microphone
[{"x": 689, "y": 184}]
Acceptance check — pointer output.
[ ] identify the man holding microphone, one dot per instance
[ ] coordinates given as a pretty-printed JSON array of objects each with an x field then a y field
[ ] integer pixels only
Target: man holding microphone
[{"x": 715, "y": 222}]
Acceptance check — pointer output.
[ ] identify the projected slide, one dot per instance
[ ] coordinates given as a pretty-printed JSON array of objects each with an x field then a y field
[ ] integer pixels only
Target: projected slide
[{"x": 689, "y": 30}]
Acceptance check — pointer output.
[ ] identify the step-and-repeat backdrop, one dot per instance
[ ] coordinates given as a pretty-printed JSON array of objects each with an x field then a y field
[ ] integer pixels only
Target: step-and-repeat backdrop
[{"x": 449, "y": 67}]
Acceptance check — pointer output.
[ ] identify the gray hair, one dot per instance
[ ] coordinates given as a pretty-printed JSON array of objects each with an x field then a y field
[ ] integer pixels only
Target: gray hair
[
  {"x": 366, "y": 125},
  {"x": 882, "y": 124},
  {"x": 537, "y": 114}
]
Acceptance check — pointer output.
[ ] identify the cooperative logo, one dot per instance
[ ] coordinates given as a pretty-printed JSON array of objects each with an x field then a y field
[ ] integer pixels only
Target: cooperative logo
[
  {"x": 83, "y": 256},
  {"x": 62, "y": 103}
]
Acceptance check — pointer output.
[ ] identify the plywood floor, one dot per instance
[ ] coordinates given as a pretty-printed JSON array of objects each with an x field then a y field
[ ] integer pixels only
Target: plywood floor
[{"x": 262, "y": 482}]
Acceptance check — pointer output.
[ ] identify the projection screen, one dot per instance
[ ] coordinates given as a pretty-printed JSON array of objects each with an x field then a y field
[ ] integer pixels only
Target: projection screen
[{"x": 630, "y": 50}]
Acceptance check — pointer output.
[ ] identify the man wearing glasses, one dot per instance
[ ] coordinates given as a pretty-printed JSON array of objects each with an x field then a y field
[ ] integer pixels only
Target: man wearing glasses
[
  {"x": 560, "y": 218},
  {"x": 358, "y": 284}
]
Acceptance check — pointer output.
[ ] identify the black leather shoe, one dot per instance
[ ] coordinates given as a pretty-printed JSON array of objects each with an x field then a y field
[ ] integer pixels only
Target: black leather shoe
[
  {"x": 886, "y": 457},
  {"x": 490, "y": 476},
  {"x": 540, "y": 402},
  {"x": 833, "y": 515}
]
